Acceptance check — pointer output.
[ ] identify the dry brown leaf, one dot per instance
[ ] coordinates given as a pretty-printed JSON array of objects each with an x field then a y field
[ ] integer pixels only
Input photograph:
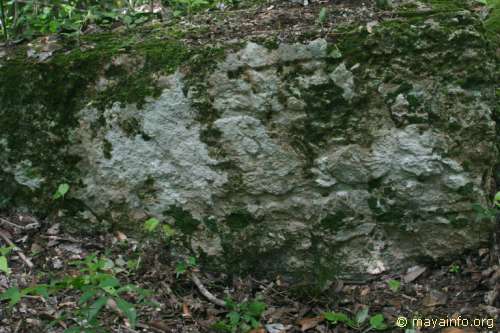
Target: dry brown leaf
[
  {"x": 413, "y": 273},
  {"x": 121, "y": 236},
  {"x": 365, "y": 290},
  {"x": 36, "y": 248},
  {"x": 435, "y": 297},
  {"x": 258, "y": 330},
  {"x": 185, "y": 311},
  {"x": 308, "y": 323},
  {"x": 483, "y": 251},
  {"x": 160, "y": 325}
]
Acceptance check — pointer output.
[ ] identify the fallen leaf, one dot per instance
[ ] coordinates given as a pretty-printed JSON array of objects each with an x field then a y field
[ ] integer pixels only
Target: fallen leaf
[
  {"x": 476, "y": 276},
  {"x": 121, "y": 236},
  {"x": 34, "y": 322},
  {"x": 160, "y": 325},
  {"x": 276, "y": 328},
  {"x": 483, "y": 251},
  {"x": 54, "y": 230},
  {"x": 376, "y": 268},
  {"x": 36, "y": 248},
  {"x": 185, "y": 311},
  {"x": 258, "y": 330},
  {"x": 413, "y": 273},
  {"x": 435, "y": 297},
  {"x": 370, "y": 25},
  {"x": 491, "y": 296},
  {"x": 308, "y": 323},
  {"x": 490, "y": 310},
  {"x": 365, "y": 290}
]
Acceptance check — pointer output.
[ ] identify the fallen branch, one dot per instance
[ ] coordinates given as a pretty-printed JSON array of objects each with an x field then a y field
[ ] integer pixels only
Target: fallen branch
[
  {"x": 208, "y": 295},
  {"x": 17, "y": 226},
  {"x": 18, "y": 250}
]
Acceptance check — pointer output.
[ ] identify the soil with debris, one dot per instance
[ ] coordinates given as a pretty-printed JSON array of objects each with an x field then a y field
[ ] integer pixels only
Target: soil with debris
[{"x": 467, "y": 288}]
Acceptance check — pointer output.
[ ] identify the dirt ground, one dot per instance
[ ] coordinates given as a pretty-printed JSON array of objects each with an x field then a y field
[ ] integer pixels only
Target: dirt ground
[{"x": 466, "y": 288}]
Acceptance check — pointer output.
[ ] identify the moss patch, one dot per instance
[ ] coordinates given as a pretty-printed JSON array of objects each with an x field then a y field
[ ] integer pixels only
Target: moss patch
[{"x": 39, "y": 101}]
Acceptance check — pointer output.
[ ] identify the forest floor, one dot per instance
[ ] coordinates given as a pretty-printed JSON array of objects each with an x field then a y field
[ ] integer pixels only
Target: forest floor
[{"x": 466, "y": 288}]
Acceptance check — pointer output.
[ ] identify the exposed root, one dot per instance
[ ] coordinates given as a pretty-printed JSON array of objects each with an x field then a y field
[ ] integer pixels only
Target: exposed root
[
  {"x": 18, "y": 250},
  {"x": 208, "y": 295}
]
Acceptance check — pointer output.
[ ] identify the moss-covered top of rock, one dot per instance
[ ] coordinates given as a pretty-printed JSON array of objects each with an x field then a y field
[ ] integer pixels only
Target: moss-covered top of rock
[{"x": 39, "y": 99}]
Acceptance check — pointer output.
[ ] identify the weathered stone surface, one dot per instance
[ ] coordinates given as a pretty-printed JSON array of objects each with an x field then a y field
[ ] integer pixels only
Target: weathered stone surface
[{"x": 285, "y": 160}]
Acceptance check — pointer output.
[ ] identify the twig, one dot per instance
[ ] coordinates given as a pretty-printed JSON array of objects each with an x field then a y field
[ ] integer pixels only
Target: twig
[
  {"x": 18, "y": 250},
  {"x": 18, "y": 326},
  {"x": 4, "y": 221},
  {"x": 208, "y": 295},
  {"x": 14, "y": 225}
]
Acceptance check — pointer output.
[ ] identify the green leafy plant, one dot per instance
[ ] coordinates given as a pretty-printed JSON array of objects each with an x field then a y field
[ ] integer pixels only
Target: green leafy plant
[
  {"x": 184, "y": 265},
  {"x": 4, "y": 264},
  {"x": 376, "y": 322},
  {"x": 62, "y": 189},
  {"x": 492, "y": 23},
  {"x": 188, "y": 7},
  {"x": 335, "y": 318},
  {"x": 152, "y": 224},
  {"x": 322, "y": 16},
  {"x": 394, "y": 285},
  {"x": 242, "y": 317},
  {"x": 96, "y": 286},
  {"x": 454, "y": 268},
  {"x": 12, "y": 295}
]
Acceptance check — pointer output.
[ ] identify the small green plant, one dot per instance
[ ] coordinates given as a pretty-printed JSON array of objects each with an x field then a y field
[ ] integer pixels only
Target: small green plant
[
  {"x": 242, "y": 317},
  {"x": 96, "y": 286},
  {"x": 394, "y": 285},
  {"x": 62, "y": 189},
  {"x": 454, "y": 268},
  {"x": 322, "y": 16},
  {"x": 184, "y": 265},
  {"x": 492, "y": 23},
  {"x": 188, "y": 7},
  {"x": 4, "y": 264},
  {"x": 167, "y": 232},
  {"x": 151, "y": 224},
  {"x": 376, "y": 322}
]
